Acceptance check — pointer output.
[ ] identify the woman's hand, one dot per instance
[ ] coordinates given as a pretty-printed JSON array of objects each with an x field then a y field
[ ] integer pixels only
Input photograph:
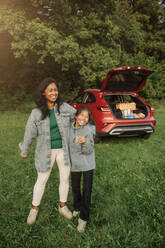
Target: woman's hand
[
  {"x": 23, "y": 158},
  {"x": 81, "y": 139}
]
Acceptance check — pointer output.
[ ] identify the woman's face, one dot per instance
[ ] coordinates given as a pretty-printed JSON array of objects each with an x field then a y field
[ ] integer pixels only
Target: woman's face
[{"x": 51, "y": 93}]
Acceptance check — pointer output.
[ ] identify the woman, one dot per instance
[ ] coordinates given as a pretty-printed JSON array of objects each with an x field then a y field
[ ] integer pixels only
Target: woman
[{"x": 49, "y": 122}]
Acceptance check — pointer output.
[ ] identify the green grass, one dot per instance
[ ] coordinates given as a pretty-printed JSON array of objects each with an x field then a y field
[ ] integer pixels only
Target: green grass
[{"x": 128, "y": 200}]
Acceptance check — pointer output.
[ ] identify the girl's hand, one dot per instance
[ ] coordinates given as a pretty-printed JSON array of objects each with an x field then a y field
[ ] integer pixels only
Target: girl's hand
[
  {"x": 81, "y": 139},
  {"x": 23, "y": 158}
]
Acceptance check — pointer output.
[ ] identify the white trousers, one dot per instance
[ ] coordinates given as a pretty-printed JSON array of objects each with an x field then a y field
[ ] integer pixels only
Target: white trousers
[{"x": 64, "y": 172}]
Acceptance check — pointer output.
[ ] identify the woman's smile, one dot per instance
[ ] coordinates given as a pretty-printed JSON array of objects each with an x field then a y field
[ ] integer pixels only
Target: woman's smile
[{"x": 51, "y": 93}]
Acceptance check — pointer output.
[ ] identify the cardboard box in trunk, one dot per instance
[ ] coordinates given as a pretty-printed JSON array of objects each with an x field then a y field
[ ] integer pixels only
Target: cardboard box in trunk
[{"x": 126, "y": 105}]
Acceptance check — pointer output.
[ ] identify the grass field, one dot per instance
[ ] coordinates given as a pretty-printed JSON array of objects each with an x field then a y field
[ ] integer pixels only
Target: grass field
[{"x": 128, "y": 200}]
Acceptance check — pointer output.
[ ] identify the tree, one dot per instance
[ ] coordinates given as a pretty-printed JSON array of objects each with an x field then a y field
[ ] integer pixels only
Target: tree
[
  {"x": 79, "y": 41},
  {"x": 151, "y": 16},
  {"x": 74, "y": 42}
]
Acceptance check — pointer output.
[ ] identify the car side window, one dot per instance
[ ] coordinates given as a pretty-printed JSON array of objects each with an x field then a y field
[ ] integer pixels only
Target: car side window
[
  {"x": 89, "y": 98},
  {"x": 79, "y": 98}
]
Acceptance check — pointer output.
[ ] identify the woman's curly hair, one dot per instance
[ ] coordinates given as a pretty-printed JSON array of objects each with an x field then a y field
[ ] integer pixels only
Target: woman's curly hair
[{"x": 40, "y": 99}]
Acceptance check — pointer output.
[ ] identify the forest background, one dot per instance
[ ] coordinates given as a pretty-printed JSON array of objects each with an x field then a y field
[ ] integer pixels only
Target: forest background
[{"x": 78, "y": 42}]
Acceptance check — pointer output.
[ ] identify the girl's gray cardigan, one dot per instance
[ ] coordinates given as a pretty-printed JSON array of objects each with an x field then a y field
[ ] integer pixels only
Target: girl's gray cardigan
[
  {"x": 40, "y": 129},
  {"x": 82, "y": 155}
]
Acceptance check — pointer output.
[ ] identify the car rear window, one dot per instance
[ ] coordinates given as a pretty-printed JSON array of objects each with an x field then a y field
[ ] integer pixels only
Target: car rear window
[{"x": 125, "y": 80}]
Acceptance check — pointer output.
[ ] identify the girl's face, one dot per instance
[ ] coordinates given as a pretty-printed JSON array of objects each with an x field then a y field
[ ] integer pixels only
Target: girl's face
[
  {"x": 51, "y": 93},
  {"x": 82, "y": 119}
]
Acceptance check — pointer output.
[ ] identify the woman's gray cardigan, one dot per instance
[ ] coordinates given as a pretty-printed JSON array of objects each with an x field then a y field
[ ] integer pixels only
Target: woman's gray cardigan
[{"x": 40, "y": 129}]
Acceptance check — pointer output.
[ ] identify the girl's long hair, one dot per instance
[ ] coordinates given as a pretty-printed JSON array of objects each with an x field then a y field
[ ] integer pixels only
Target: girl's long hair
[{"x": 40, "y": 99}]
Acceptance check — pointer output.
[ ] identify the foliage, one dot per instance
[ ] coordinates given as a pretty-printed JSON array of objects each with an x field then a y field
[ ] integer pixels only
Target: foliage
[{"x": 77, "y": 42}]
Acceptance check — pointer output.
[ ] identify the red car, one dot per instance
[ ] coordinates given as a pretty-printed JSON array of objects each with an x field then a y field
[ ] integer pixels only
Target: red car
[{"x": 117, "y": 109}]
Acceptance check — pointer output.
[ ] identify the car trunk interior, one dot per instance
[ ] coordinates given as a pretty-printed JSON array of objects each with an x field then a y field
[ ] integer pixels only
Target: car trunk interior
[{"x": 126, "y": 106}]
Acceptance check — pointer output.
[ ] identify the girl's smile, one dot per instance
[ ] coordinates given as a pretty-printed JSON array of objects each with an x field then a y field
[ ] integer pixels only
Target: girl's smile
[{"x": 82, "y": 119}]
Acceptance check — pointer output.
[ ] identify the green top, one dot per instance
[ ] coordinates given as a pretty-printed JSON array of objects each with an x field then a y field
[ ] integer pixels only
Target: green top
[{"x": 55, "y": 136}]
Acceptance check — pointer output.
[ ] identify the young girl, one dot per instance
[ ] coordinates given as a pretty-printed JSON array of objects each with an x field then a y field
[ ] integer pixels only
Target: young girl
[{"x": 83, "y": 163}]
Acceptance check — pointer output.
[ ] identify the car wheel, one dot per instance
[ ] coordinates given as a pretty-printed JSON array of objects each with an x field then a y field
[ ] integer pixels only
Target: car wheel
[
  {"x": 146, "y": 136},
  {"x": 97, "y": 139}
]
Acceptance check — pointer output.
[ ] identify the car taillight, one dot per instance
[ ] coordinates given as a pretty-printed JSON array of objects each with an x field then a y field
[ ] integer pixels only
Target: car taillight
[
  {"x": 103, "y": 108},
  {"x": 151, "y": 108},
  {"x": 105, "y": 124}
]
